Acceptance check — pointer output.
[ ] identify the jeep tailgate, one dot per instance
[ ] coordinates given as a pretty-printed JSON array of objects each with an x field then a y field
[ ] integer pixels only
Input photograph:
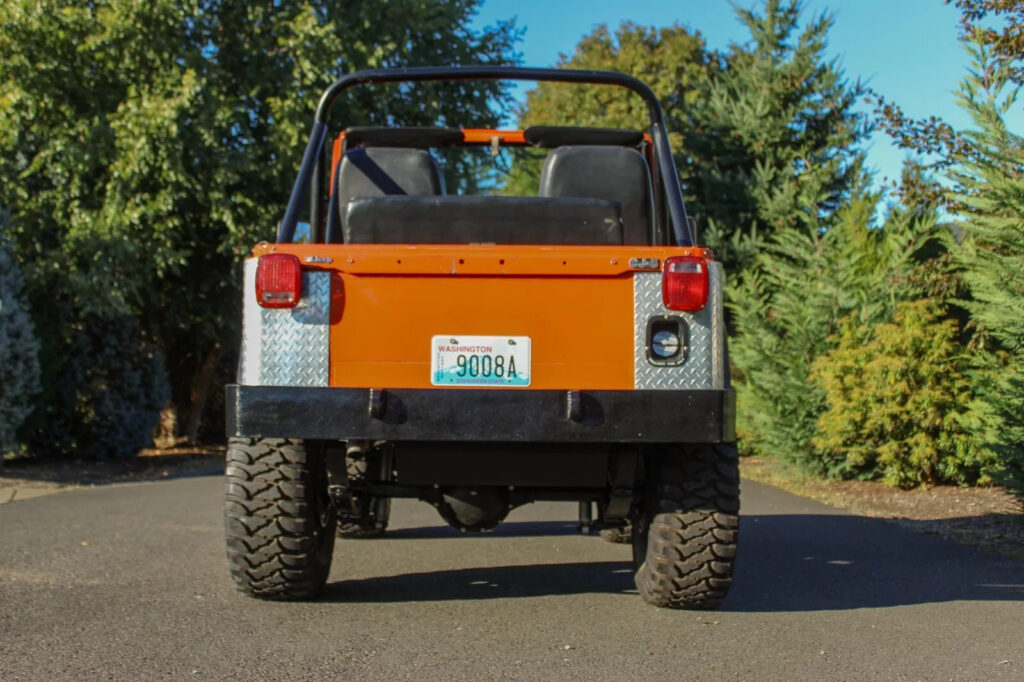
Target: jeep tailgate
[{"x": 388, "y": 302}]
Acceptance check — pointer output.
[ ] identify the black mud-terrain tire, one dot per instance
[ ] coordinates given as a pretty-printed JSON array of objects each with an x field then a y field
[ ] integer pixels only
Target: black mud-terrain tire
[
  {"x": 278, "y": 518},
  {"x": 688, "y": 532},
  {"x": 622, "y": 535}
]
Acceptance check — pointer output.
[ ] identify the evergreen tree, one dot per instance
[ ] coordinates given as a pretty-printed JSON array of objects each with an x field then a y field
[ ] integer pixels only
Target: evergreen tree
[
  {"x": 776, "y": 146},
  {"x": 990, "y": 199},
  {"x": 765, "y": 135},
  {"x": 789, "y": 304},
  {"x": 19, "y": 349},
  {"x": 997, "y": 26}
]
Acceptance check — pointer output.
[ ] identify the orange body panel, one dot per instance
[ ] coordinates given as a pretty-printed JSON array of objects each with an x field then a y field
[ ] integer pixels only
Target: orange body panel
[
  {"x": 575, "y": 304},
  {"x": 582, "y": 335},
  {"x": 475, "y": 259}
]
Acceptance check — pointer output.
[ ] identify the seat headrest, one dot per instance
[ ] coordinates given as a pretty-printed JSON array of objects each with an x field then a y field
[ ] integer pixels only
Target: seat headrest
[
  {"x": 380, "y": 171},
  {"x": 598, "y": 172}
]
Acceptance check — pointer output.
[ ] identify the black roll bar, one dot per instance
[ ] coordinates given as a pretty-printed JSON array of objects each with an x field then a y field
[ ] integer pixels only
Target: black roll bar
[{"x": 662, "y": 151}]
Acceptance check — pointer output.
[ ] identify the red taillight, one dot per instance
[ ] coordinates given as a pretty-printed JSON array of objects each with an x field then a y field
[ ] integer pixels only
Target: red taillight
[
  {"x": 684, "y": 284},
  {"x": 278, "y": 280}
]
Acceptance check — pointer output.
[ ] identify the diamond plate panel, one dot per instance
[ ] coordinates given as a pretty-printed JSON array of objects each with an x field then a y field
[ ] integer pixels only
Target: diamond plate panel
[
  {"x": 704, "y": 367},
  {"x": 286, "y": 346},
  {"x": 719, "y": 368}
]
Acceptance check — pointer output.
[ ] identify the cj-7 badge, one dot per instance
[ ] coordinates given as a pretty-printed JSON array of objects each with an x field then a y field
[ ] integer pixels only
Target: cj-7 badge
[{"x": 644, "y": 263}]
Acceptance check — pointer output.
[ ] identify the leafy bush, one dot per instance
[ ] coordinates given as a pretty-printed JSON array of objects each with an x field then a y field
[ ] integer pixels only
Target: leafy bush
[
  {"x": 141, "y": 181},
  {"x": 899, "y": 402},
  {"x": 19, "y": 349}
]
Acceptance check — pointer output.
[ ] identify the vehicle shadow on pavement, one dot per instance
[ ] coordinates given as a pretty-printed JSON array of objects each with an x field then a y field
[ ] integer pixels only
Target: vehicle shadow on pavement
[
  {"x": 788, "y": 562},
  {"x": 489, "y": 582},
  {"x": 826, "y": 562},
  {"x": 507, "y": 529}
]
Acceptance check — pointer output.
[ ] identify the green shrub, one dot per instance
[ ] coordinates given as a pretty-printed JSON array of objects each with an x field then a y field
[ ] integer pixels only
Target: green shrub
[
  {"x": 787, "y": 310},
  {"x": 105, "y": 396},
  {"x": 899, "y": 402}
]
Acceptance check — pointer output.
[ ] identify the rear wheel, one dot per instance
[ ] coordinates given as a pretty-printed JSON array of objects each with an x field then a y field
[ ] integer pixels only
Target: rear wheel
[
  {"x": 685, "y": 539},
  {"x": 278, "y": 518}
]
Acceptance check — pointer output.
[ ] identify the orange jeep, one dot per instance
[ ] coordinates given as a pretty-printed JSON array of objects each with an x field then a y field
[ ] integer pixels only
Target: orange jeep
[{"x": 482, "y": 352}]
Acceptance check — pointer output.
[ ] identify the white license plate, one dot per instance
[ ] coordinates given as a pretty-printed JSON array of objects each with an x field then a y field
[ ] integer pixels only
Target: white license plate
[{"x": 480, "y": 360}]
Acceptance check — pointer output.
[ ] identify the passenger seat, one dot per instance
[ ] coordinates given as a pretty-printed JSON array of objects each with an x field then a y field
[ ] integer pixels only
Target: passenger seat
[
  {"x": 377, "y": 172},
  {"x": 604, "y": 172}
]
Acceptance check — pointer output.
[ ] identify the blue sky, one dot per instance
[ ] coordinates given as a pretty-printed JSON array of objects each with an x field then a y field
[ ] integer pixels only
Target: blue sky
[{"x": 907, "y": 50}]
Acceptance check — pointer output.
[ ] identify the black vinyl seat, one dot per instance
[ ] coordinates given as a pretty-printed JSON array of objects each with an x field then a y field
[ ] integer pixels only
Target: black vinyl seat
[
  {"x": 604, "y": 172},
  {"x": 380, "y": 171}
]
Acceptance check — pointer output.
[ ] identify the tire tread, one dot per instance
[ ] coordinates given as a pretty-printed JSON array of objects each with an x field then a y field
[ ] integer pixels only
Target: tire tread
[
  {"x": 692, "y": 532},
  {"x": 277, "y": 547}
]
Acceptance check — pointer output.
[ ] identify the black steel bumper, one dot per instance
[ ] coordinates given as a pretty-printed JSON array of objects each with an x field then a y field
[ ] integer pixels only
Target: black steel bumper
[{"x": 695, "y": 416}]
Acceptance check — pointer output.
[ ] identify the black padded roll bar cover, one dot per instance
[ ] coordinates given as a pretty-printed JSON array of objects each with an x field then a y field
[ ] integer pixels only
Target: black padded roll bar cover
[
  {"x": 615, "y": 173},
  {"x": 416, "y": 137},
  {"x": 482, "y": 220},
  {"x": 548, "y": 137}
]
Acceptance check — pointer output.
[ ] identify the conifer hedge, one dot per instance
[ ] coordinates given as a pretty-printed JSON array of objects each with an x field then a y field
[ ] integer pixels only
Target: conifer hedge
[{"x": 19, "y": 349}]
